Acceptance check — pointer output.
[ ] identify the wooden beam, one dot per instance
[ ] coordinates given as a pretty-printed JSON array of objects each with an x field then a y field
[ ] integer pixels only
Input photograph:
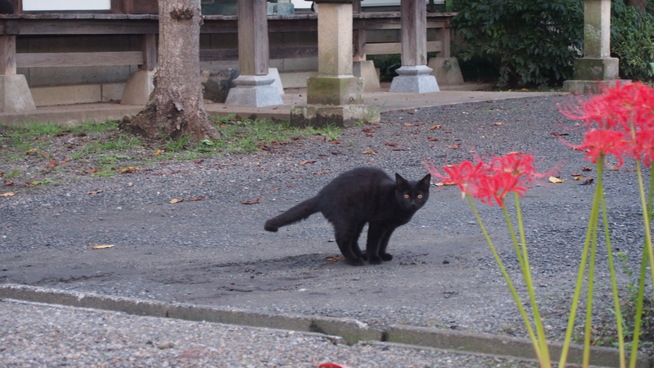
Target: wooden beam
[
  {"x": 390, "y": 48},
  {"x": 31, "y": 60},
  {"x": 253, "y": 37}
]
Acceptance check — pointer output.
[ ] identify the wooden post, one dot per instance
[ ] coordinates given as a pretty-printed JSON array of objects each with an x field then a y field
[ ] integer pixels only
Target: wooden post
[
  {"x": 7, "y": 55},
  {"x": 414, "y": 32},
  {"x": 359, "y": 36},
  {"x": 253, "y": 37},
  {"x": 254, "y": 86},
  {"x": 149, "y": 49},
  {"x": 414, "y": 76}
]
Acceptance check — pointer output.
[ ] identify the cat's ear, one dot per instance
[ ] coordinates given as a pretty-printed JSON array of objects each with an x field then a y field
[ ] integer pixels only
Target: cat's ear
[
  {"x": 425, "y": 182},
  {"x": 400, "y": 181}
]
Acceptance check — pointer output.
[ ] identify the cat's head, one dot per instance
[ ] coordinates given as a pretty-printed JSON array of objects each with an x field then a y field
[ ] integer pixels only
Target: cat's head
[{"x": 411, "y": 195}]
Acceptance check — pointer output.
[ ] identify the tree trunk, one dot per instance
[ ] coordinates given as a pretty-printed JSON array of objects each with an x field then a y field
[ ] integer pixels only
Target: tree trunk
[{"x": 176, "y": 106}]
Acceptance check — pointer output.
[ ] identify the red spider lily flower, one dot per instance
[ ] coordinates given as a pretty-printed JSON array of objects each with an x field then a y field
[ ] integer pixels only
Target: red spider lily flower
[
  {"x": 464, "y": 175},
  {"x": 616, "y": 108},
  {"x": 490, "y": 183},
  {"x": 603, "y": 142},
  {"x": 643, "y": 146}
]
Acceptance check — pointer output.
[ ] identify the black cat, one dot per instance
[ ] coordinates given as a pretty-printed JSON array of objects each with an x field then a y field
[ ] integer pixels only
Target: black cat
[{"x": 356, "y": 197}]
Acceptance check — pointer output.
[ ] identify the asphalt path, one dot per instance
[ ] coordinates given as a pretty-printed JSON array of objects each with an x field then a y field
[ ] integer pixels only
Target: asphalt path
[{"x": 211, "y": 249}]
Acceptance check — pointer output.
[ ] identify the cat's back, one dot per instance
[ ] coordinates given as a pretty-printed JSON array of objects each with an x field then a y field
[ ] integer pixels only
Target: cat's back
[{"x": 361, "y": 181}]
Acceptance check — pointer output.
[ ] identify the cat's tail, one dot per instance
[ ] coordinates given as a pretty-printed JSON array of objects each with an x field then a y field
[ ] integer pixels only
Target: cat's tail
[{"x": 297, "y": 213}]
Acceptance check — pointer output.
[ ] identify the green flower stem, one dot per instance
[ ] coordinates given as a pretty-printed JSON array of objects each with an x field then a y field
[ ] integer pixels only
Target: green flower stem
[
  {"x": 528, "y": 280},
  {"x": 639, "y": 309},
  {"x": 543, "y": 359},
  {"x": 589, "y": 293},
  {"x": 516, "y": 245},
  {"x": 646, "y": 258},
  {"x": 614, "y": 284},
  {"x": 592, "y": 223},
  {"x": 646, "y": 219}
]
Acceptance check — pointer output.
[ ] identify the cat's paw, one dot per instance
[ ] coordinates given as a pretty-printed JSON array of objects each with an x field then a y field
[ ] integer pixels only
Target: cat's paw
[
  {"x": 387, "y": 257},
  {"x": 355, "y": 262},
  {"x": 375, "y": 260}
]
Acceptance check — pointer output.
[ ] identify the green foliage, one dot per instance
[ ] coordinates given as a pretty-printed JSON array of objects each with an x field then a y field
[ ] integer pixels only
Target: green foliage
[
  {"x": 529, "y": 42},
  {"x": 632, "y": 41}
]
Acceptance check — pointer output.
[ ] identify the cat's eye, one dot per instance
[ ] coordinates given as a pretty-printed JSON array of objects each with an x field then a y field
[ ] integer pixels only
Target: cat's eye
[
  {"x": 419, "y": 196},
  {"x": 406, "y": 196}
]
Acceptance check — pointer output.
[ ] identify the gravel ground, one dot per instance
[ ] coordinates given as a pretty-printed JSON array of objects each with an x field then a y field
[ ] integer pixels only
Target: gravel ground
[
  {"x": 38, "y": 335},
  {"x": 214, "y": 250}
]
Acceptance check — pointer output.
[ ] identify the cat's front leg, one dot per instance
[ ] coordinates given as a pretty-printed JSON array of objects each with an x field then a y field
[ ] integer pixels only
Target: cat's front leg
[
  {"x": 375, "y": 236},
  {"x": 384, "y": 244}
]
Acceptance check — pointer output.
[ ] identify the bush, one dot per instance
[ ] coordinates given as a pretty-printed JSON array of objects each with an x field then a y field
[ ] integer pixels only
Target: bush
[
  {"x": 632, "y": 40},
  {"x": 530, "y": 42}
]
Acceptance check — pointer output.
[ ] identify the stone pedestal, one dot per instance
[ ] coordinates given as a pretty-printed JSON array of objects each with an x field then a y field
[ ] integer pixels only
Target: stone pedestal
[
  {"x": 335, "y": 96},
  {"x": 138, "y": 88},
  {"x": 597, "y": 66},
  {"x": 446, "y": 71},
  {"x": 365, "y": 70},
  {"x": 254, "y": 90},
  {"x": 414, "y": 79},
  {"x": 15, "y": 95}
]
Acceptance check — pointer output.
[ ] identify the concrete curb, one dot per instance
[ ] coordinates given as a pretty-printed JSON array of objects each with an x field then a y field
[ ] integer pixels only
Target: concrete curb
[{"x": 350, "y": 330}]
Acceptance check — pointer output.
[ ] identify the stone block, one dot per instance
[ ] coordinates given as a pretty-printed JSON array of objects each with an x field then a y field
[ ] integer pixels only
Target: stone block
[
  {"x": 366, "y": 71},
  {"x": 66, "y": 95},
  {"x": 414, "y": 79},
  {"x": 252, "y": 90},
  {"x": 15, "y": 95},
  {"x": 138, "y": 88},
  {"x": 217, "y": 84},
  {"x": 334, "y": 90},
  {"x": 323, "y": 115},
  {"x": 446, "y": 71},
  {"x": 596, "y": 69}
]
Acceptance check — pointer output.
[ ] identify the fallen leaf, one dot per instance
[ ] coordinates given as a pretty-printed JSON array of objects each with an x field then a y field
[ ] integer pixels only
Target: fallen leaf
[
  {"x": 128, "y": 170},
  {"x": 391, "y": 144},
  {"x": 97, "y": 191},
  {"x": 499, "y": 123},
  {"x": 369, "y": 152},
  {"x": 157, "y": 152},
  {"x": 578, "y": 178},
  {"x": 175, "y": 200},
  {"x": 432, "y": 139},
  {"x": 9, "y": 183},
  {"x": 399, "y": 149},
  {"x": 555, "y": 180},
  {"x": 320, "y": 172},
  {"x": 104, "y": 246},
  {"x": 587, "y": 169},
  {"x": 335, "y": 259},
  {"x": 588, "y": 181},
  {"x": 455, "y": 146},
  {"x": 256, "y": 201},
  {"x": 198, "y": 198},
  {"x": 306, "y": 162},
  {"x": 436, "y": 127},
  {"x": 92, "y": 171},
  {"x": 7, "y": 194},
  {"x": 408, "y": 124}
]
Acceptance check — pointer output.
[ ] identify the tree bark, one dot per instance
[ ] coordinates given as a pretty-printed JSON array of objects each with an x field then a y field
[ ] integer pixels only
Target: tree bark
[{"x": 176, "y": 106}]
